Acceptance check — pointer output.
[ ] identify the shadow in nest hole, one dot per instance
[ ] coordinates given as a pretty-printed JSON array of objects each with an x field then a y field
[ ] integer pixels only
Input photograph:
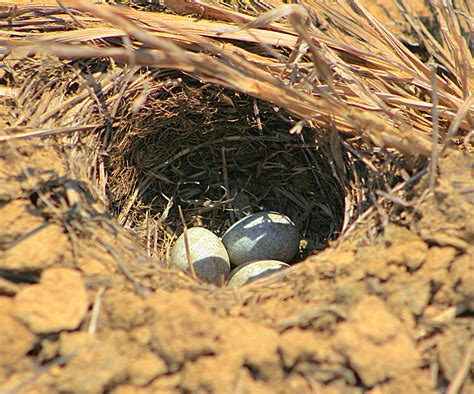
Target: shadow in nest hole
[{"x": 220, "y": 155}]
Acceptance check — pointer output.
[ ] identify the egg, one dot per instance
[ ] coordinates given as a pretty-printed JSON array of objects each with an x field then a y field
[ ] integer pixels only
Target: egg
[
  {"x": 208, "y": 255},
  {"x": 262, "y": 236},
  {"x": 253, "y": 270}
]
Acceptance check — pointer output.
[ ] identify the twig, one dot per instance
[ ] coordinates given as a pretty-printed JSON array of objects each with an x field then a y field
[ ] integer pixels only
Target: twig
[
  {"x": 43, "y": 132},
  {"x": 256, "y": 111},
  {"x": 306, "y": 316},
  {"x": 462, "y": 113},
  {"x": 226, "y": 180},
  {"x": 96, "y": 311},
  {"x": 434, "y": 373},
  {"x": 40, "y": 371},
  {"x": 445, "y": 316},
  {"x": 148, "y": 233},
  {"x": 434, "y": 146},
  {"x": 457, "y": 381},
  {"x": 73, "y": 17},
  {"x": 186, "y": 243},
  {"x": 26, "y": 235}
]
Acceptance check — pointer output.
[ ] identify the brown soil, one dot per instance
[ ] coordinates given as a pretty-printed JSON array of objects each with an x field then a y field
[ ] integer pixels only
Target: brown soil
[{"x": 84, "y": 310}]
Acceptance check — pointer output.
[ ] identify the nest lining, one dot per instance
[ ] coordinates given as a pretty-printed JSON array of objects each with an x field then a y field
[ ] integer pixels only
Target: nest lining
[
  {"x": 219, "y": 155},
  {"x": 165, "y": 122}
]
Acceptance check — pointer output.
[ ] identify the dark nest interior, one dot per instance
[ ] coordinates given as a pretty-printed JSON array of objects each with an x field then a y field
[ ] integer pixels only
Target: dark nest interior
[{"x": 220, "y": 156}]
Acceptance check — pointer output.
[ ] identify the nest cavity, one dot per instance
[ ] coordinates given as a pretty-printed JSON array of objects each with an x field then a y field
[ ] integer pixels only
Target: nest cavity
[{"x": 219, "y": 155}]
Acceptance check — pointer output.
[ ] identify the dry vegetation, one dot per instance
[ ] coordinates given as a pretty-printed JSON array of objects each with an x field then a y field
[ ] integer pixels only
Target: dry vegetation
[{"x": 356, "y": 122}]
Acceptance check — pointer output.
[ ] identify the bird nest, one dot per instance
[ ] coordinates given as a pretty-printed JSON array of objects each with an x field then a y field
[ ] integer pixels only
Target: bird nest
[
  {"x": 219, "y": 156},
  {"x": 231, "y": 114}
]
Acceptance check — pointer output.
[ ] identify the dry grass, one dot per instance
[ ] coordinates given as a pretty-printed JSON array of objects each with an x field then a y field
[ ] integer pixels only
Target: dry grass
[{"x": 378, "y": 89}]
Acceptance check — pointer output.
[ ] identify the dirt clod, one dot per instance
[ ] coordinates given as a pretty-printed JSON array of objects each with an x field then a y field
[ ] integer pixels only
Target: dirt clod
[
  {"x": 29, "y": 254},
  {"x": 251, "y": 345},
  {"x": 201, "y": 376},
  {"x": 298, "y": 346},
  {"x": 126, "y": 310},
  {"x": 144, "y": 369},
  {"x": 94, "y": 365},
  {"x": 373, "y": 328},
  {"x": 451, "y": 347},
  {"x": 184, "y": 332},
  {"x": 411, "y": 254},
  {"x": 15, "y": 339},
  {"x": 58, "y": 302}
]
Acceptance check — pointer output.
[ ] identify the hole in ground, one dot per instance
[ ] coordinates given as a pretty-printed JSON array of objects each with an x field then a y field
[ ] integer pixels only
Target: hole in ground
[{"x": 220, "y": 155}]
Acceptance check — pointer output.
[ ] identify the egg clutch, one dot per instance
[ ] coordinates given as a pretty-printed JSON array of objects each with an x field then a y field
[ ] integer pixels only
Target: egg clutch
[{"x": 252, "y": 248}]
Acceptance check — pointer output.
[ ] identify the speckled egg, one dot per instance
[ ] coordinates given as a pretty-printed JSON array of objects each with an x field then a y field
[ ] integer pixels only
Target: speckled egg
[
  {"x": 262, "y": 236},
  {"x": 208, "y": 255},
  {"x": 253, "y": 270}
]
